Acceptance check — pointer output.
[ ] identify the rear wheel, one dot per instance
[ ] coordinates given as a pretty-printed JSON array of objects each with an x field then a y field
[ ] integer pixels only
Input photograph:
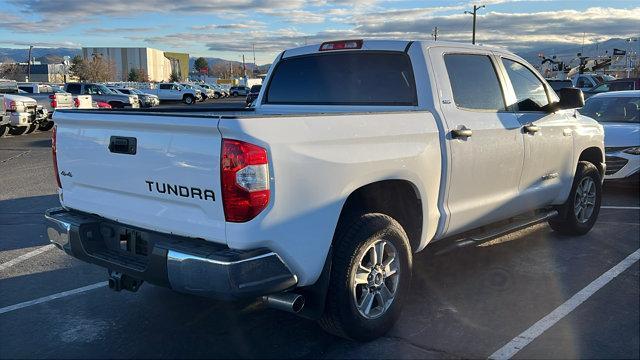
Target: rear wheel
[
  {"x": 188, "y": 99},
  {"x": 580, "y": 212},
  {"x": 4, "y": 129},
  {"x": 46, "y": 126},
  {"x": 370, "y": 278},
  {"x": 18, "y": 130}
]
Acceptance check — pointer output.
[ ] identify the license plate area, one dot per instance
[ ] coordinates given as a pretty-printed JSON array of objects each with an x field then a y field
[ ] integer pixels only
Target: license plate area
[{"x": 114, "y": 243}]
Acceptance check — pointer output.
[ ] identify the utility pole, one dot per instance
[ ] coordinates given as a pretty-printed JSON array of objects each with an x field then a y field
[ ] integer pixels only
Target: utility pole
[
  {"x": 29, "y": 66},
  {"x": 255, "y": 66},
  {"x": 244, "y": 69},
  {"x": 435, "y": 34},
  {"x": 475, "y": 10}
]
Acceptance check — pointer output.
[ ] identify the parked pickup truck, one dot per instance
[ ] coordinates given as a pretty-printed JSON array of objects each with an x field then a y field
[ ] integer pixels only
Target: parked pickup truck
[
  {"x": 49, "y": 99},
  {"x": 357, "y": 155},
  {"x": 25, "y": 115},
  {"x": 99, "y": 92},
  {"x": 173, "y": 92}
]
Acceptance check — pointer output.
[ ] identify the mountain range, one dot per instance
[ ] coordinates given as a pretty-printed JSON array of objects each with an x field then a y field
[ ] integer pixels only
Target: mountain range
[{"x": 561, "y": 51}]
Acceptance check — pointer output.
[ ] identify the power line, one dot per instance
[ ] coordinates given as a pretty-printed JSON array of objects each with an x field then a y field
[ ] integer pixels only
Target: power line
[{"x": 475, "y": 10}]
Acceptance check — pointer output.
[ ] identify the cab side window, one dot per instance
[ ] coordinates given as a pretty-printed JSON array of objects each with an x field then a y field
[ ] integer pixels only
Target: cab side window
[
  {"x": 583, "y": 82},
  {"x": 165, "y": 86},
  {"x": 531, "y": 94},
  {"x": 474, "y": 82}
]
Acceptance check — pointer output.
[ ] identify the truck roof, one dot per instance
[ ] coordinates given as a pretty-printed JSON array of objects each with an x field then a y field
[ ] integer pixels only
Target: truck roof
[{"x": 389, "y": 45}]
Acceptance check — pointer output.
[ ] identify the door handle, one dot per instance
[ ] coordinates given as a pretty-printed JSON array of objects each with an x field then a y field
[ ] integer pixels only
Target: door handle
[
  {"x": 123, "y": 145},
  {"x": 461, "y": 133},
  {"x": 531, "y": 129}
]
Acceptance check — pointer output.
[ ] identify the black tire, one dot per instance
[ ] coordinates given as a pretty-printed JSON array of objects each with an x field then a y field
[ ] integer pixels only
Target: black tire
[
  {"x": 4, "y": 130},
  {"x": 31, "y": 128},
  {"x": 341, "y": 315},
  {"x": 234, "y": 94},
  {"x": 189, "y": 99},
  {"x": 18, "y": 130},
  {"x": 46, "y": 126},
  {"x": 568, "y": 222},
  {"x": 116, "y": 105}
]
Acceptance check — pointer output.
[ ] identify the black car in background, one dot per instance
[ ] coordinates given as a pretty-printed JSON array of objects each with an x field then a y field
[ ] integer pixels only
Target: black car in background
[
  {"x": 253, "y": 94},
  {"x": 614, "y": 85}
]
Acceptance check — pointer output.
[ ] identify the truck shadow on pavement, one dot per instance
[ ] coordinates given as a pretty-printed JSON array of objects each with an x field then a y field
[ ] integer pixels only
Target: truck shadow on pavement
[{"x": 22, "y": 221}]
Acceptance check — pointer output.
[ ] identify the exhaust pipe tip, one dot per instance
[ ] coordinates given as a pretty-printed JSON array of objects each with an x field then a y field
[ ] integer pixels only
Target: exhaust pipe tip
[{"x": 289, "y": 302}]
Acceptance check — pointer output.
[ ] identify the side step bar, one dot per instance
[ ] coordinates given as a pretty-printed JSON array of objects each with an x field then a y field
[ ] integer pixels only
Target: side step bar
[{"x": 477, "y": 238}]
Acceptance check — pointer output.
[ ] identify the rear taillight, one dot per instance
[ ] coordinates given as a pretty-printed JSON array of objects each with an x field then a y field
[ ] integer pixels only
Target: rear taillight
[
  {"x": 54, "y": 155},
  {"x": 245, "y": 180},
  {"x": 76, "y": 102},
  {"x": 54, "y": 102}
]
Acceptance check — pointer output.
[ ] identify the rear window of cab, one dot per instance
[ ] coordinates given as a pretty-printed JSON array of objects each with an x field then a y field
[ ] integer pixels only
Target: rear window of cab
[{"x": 344, "y": 78}]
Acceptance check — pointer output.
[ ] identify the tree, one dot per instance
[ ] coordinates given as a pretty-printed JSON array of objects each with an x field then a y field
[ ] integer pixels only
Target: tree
[
  {"x": 138, "y": 75},
  {"x": 201, "y": 64},
  {"x": 174, "y": 77},
  {"x": 11, "y": 71},
  {"x": 95, "y": 69}
]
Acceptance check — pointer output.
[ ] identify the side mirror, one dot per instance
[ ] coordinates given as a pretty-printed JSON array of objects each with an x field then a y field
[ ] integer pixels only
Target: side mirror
[{"x": 570, "y": 98}]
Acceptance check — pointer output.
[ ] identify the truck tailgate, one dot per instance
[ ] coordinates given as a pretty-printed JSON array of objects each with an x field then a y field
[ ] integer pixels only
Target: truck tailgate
[
  {"x": 159, "y": 172},
  {"x": 64, "y": 101}
]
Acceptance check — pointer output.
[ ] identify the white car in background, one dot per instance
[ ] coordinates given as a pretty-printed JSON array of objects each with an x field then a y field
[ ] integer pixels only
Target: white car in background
[{"x": 618, "y": 112}]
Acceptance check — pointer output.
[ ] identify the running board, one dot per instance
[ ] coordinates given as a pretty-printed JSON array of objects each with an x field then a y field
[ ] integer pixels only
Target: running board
[{"x": 477, "y": 238}]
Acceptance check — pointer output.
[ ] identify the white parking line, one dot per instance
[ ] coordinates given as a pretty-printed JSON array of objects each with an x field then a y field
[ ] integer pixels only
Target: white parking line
[
  {"x": 26, "y": 256},
  {"x": 621, "y": 207},
  {"x": 522, "y": 340},
  {"x": 25, "y": 304}
]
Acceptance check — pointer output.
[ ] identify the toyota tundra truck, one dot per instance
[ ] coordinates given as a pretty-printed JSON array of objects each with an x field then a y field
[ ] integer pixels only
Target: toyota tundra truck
[{"x": 357, "y": 155}]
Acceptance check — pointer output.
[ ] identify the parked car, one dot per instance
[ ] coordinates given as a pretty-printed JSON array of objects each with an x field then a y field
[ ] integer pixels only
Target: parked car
[
  {"x": 207, "y": 93},
  {"x": 199, "y": 95},
  {"x": 5, "y": 121},
  {"x": 212, "y": 91},
  {"x": 223, "y": 89},
  {"x": 173, "y": 92},
  {"x": 49, "y": 98},
  {"x": 615, "y": 85},
  {"x": 253, "y": 94},
  {"x": 585, "y": 82},
  {"x": 239, "y": 91},
  {"x": 145, "y": 100},
  {"x": 101, "y": 105},
  {"x": 25, "y": 115},
  {"x": 556, "y": 85},
  {"x": 100, "y": 92},
  {"x": 618, "y": 112},
  {"x": 316, "y": 199}
]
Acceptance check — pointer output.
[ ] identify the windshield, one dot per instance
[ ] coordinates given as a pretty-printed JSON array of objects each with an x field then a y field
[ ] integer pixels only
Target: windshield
[
  {"x": 613, "y": 109},
  {"x": 105, "y": 90}
]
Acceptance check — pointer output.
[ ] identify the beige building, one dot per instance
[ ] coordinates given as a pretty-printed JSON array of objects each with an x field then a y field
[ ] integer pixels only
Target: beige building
[{"x": 156, "y": 63}]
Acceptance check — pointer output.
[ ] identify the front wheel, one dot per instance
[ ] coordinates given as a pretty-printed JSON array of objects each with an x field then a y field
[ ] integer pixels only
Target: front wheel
[
  {"x": 580, "y": 212},
  {"x": 4, "y": 129},
  {"x": 189, "y": 99},
  {"x": 370, "y": 278}
]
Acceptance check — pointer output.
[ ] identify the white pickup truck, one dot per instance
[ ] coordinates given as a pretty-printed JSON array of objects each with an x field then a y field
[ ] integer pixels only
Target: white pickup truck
[
  {"x": 49, "y": 99},
  {"x": 357, "y": 155},
  {"x": 174, "y": 92}
]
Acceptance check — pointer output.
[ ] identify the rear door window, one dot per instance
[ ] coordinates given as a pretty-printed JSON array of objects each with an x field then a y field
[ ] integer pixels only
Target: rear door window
[
  {"x": 344, "y": 78},
  {"x": 474, "y": 82}
]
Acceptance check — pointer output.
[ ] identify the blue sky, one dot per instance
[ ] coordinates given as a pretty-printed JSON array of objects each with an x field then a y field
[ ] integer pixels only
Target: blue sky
[{"x": 229, "y": 28}]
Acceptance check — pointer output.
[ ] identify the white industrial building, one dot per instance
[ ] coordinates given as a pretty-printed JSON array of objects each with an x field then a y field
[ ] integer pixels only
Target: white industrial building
[{"x": 157, "y": 64}]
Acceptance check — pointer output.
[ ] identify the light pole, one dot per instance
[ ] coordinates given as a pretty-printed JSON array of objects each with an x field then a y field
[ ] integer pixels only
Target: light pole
[
  {"x": 475, "y": 10},
  {"x": 29, "y": 66}
]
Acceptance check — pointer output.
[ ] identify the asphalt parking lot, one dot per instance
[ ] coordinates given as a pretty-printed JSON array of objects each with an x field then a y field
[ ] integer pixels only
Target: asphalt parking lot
[{"x": 526, "y": 288}]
